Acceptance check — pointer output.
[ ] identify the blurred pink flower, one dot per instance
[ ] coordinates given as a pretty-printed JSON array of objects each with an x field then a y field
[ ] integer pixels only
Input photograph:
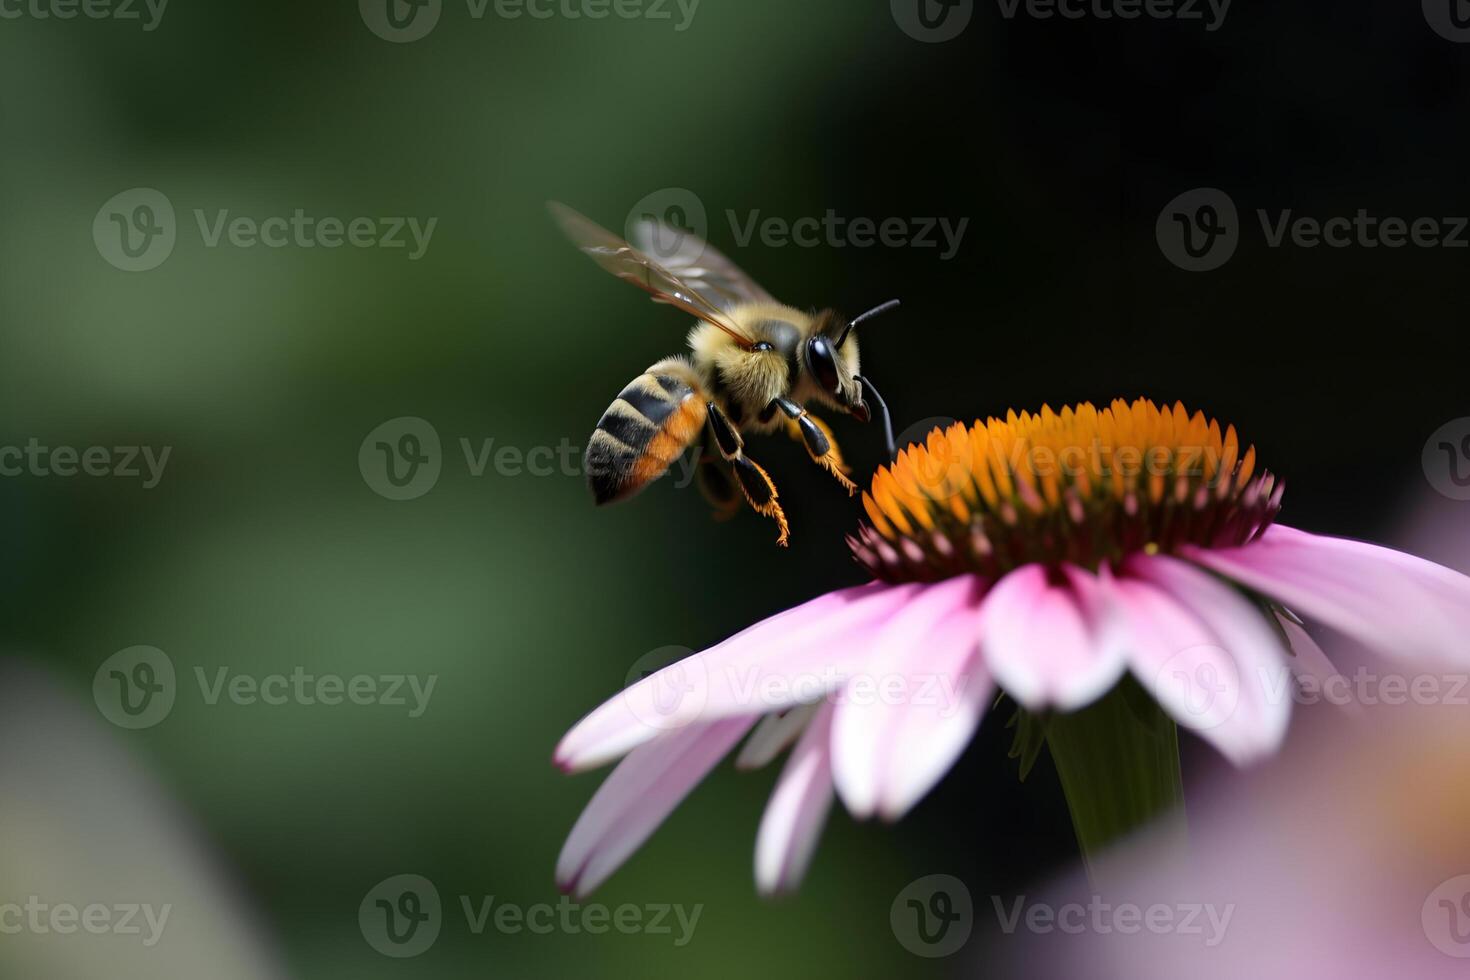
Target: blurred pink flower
[
  {"x": 1345, "y": 857},
  {"x": 1045, "y": 555}
]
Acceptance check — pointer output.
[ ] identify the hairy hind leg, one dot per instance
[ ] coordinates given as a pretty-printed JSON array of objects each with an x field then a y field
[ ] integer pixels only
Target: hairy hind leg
[
  {"x": 818, "y": 439},
  {"x": 716, "y": 480},
  {"x": 754, "y": 482}
]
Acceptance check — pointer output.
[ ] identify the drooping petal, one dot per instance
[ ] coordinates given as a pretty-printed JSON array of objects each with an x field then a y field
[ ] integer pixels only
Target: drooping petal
[
  {"x": 926, "y": 739},
  {"x": 793, "y": 657},
  {"x": 773, "y": 735},
  {"x": 792, "y": 823},
  {"x": 1201, "y": 657},
  {"x": 1263, "y": 684},
  {"x": 1050, "y": 643},
  {"x": 1397, "y": 603},
  {"x": 1309, "y": 661},
  {"x": 637, "y": 796},
  {"x": 907, "y": 715}
]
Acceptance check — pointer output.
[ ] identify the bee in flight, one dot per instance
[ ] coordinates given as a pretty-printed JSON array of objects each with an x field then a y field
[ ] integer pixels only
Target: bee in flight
[{"x": 756, "y": 363}]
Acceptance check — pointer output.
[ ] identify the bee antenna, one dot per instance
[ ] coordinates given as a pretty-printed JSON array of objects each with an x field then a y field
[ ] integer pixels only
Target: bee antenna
[
  {"x": 880, "y": 308},
  {"x": 872, "y": 392}
]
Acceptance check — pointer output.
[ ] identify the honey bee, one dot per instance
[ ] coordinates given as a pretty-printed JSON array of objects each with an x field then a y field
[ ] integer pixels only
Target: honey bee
[{"x": 754, "y": 365}]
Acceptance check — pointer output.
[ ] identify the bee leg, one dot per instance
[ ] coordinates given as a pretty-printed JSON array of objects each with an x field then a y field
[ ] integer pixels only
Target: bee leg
[
  {"x": 759, "y": 491},
  {"x": 716, "y": 481},
  {"x": 818, "y": 439}
]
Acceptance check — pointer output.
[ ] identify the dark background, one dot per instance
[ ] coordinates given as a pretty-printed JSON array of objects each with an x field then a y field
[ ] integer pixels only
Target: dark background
[{"x": 263, "y": 548}]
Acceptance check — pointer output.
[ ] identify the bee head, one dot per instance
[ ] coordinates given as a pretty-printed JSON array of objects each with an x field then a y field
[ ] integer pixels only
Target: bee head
[
  {"x": 835, "y": 369},
  {"x": 823, "y": 360},
  {"x": 831, "y": 360}
]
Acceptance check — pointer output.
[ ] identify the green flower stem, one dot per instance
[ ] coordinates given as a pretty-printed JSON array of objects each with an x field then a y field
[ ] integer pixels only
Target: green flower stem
[{"x": 1118, "y": 759}]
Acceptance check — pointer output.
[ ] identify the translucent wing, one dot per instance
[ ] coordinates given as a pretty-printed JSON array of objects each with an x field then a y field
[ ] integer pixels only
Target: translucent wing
[
  {"x": 699, "y": 264},
  {"x": 628, "y": 263}
]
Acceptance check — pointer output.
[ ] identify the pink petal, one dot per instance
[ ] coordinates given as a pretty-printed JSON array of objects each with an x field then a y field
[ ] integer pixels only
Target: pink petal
[
  {"x": 926, "y": 740},
  {"x": 1395, "y": 602},
  {"x": 1206, "y": 654},
  {"x": 773, "y": 735},
  {"x": 793, "y": 657},
  {"x": 637, "y": 796},
  {"x": 792, "y": 823},
  {"x": 1308, "y": 660},
  {"x": 904, "y": 719},
  {"x": 1050, "y": 643}
]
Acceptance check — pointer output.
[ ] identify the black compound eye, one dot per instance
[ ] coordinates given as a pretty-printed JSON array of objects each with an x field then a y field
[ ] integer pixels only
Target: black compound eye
[{"x": 821, "y": 361}]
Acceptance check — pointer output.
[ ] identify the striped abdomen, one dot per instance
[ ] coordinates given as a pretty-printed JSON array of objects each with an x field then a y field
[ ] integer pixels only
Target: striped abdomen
[{"x": 644, "y": 430}]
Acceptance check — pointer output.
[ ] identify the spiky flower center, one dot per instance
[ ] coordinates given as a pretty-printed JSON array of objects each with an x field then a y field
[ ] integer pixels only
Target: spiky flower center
[{"x": 1082, "y": 485}]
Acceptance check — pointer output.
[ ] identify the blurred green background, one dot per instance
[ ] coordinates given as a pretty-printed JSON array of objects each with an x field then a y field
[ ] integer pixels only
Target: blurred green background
[{"x": 263, "y": 548}]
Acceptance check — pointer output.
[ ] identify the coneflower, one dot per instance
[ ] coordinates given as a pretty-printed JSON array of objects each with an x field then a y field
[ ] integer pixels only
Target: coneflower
[{"x": 1048, "y": 556}]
